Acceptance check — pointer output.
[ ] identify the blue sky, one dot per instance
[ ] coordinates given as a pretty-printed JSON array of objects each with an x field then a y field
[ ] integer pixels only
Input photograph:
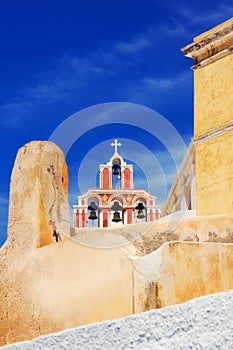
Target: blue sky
[{"x": 58, "y": 57}]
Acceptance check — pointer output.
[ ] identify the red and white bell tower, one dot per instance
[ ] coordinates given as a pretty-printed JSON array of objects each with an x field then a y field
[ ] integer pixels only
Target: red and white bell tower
[
  {"x": 116, "y": 201},
  {"x": 116, "y": 163}
]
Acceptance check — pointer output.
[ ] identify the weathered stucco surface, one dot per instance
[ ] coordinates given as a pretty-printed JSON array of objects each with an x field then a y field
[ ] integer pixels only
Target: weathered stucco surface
[
  {"x": 213, "y": 121},
  {"x": 212, "y": 228},
  {"x": 196, "y": 269},
  {"x": 46, "y": 285},
  {"x": 214, "y": 175},
  {"x": 213, "y": 91},
  {"x": 179, "y": 271}
]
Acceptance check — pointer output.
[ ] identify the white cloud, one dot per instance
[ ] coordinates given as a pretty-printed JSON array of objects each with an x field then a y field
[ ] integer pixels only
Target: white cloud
[
  {"x": 3, "y": 201},
  {"x": 136, "y": 45},
  {"x": 3, "y": 217},
  {"x": 218, "y": 13},
  {"x": 152, "y": 89},
  {"x": 13, "y": 113},
  {"x": 166, "y": 83}
]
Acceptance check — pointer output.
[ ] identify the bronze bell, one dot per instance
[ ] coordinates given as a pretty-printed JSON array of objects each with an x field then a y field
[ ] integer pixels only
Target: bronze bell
[
  {"x": 116, "y": 169},
  {"x": 116, "y": 217},
  {"x": 140, "y": 215},
  {"x": 93, "y": 215},
  {"x": 140, "y": 208},
  {"x": 92, "y": 207}
]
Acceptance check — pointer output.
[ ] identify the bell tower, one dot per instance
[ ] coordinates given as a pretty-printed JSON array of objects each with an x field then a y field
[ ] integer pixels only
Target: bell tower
[
  {"x": 116, "y": 167},
  {"x": 116, "y": 201}
]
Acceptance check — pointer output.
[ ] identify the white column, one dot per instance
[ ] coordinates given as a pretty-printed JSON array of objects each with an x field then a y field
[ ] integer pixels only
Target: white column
[
  {"x": 125, "y": 217},
  {"x": 101, "y": 218},
  {"x": 131, "y": 178},
  {"x": 101, "y": 178},
  {"x": 122, "y": 179},
  {"x": 110, "y": 176},
  {"x": 193, "y": 190},
  {"x": 183, "y": 204}
]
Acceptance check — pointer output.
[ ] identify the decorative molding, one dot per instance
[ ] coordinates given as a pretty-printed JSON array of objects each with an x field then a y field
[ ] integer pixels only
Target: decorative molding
[
  {"x": 213, "y": 133},
  {"x": 213, "y": 58},
  {"x": 210, "y": 47}
]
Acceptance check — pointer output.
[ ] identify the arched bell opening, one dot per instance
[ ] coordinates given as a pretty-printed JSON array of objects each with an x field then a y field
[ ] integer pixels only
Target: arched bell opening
[
  {"x": 92, "y": 214},
  {"x": 140, "y": 210},
  {"x": 116, "y": 173},
  {"x": 116, "y": 213}
]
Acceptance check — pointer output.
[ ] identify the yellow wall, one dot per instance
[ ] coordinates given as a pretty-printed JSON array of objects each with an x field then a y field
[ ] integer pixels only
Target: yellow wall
[
  {"x": 196, "y": 269},
  {"x": 214, "y": 176},
  {"x": 213, "y": 116},
  {"x": 62, "y": 285},
  {"x": 213, "y": 95},
  {"x": 179, "y": 271}
]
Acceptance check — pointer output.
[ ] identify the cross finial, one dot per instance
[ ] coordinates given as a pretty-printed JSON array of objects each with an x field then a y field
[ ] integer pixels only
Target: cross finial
[{"x": 116, "y": 144}]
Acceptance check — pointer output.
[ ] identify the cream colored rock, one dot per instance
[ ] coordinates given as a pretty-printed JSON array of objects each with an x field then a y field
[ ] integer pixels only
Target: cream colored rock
[{"x": 38, "y": 196}]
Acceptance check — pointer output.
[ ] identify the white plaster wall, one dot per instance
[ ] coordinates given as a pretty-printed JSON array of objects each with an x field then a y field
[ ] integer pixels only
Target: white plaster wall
[{"x": 202, "y": 323}]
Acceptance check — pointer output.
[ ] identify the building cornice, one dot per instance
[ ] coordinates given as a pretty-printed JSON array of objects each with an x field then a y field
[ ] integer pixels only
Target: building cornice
[
  {"x": 211, "y": 46},
  {"x": 211, "y": 134},
  {"x": 133, "y": 191}
]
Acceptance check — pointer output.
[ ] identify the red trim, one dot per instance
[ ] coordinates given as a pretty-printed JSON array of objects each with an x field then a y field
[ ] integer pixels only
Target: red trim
[
  {"x": 83, "y": 218},
  {"x": 76, "y": 224},
  {"x": 105, "y": 217},
  {"x": 106, "y": 179},
  {"x": 129, "y": 215},
  {"x": 127, "y": 182}
]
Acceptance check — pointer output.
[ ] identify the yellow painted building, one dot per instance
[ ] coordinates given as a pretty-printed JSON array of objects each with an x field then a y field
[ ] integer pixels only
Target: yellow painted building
[{"x": 213, "y": 118}]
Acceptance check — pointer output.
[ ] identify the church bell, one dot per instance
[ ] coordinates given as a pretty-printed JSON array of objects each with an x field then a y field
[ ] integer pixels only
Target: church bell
[
  {"x": 140, "y": 208},
  {"x": 116, "y": 217},
  {"x": 93, "y": 215},
  {"x": 92, "y": 207},
  {"x": 116, "y": 169},
  {"x": 140, "y": 215}
]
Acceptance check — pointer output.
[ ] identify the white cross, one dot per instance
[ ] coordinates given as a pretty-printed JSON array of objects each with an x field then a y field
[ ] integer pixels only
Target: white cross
[{"x": 116, "y": 144}]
